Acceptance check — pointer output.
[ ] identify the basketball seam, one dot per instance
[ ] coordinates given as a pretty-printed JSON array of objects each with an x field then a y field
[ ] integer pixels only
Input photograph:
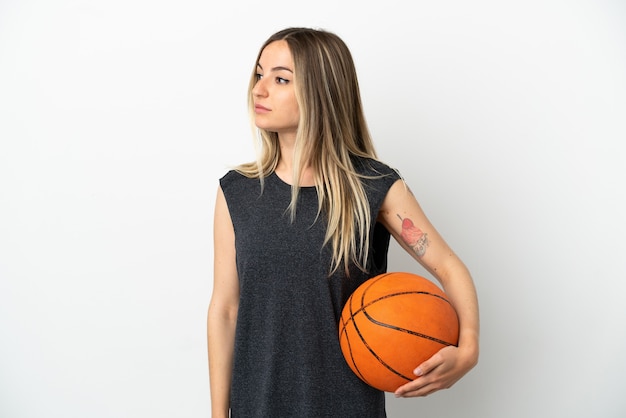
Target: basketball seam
[
  {"x": 407, "y": 331},
  {"x": 371, "y": 350},
  {"x": 354, "y": 363}
]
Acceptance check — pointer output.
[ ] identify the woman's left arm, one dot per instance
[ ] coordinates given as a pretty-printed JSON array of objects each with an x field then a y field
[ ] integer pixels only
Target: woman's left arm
[{"x": 402, "y": 215}]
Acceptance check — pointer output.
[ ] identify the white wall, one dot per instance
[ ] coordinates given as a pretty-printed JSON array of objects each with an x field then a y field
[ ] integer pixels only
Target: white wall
[{"x": 118, "y": 117}]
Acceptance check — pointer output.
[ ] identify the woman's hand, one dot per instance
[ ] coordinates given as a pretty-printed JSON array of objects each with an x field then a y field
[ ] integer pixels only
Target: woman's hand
[{"x": 441, "y": 371}]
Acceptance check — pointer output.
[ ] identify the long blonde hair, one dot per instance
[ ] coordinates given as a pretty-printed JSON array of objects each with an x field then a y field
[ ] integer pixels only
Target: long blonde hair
[{"x": 332, "y": 130}]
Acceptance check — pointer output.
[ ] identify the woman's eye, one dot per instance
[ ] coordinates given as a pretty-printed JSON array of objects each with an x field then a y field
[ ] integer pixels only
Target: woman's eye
[
  {"x": 280, "y": 80},
  {"x": 258, "y": 76}
]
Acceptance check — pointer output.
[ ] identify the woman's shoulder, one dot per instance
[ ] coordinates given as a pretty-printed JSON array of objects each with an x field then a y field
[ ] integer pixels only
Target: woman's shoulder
[
  {"x": 231, "y": 175},
  {"x": 234, "y": 178}
]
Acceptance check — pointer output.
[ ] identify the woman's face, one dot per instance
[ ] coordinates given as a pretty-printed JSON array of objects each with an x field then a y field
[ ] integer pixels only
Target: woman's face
[{"x": 275, "y": 105}]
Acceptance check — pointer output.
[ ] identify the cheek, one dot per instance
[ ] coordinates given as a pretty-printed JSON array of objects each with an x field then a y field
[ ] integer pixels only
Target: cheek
[
  {"x": 295, "y": 110},
  {"x": 295, "y": 115}
]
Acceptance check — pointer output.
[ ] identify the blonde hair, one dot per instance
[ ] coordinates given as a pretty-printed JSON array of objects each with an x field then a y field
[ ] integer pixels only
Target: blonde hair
[{"x": 332, "y": 130}]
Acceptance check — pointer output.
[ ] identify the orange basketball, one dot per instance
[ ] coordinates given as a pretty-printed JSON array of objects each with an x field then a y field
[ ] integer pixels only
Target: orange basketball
[{"x": 391, "y": 324}]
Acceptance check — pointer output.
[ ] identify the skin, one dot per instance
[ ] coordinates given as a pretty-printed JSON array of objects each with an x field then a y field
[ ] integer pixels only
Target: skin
[
  {"x": 275, "y": 92},
  {"x": 276, "y": 109},
  {"x": 427, "y": 246},
  {"x": 222, "y": 315}
]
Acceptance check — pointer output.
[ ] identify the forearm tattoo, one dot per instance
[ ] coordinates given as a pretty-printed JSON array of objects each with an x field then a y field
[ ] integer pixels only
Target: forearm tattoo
[{"x": 414, "y": 237}]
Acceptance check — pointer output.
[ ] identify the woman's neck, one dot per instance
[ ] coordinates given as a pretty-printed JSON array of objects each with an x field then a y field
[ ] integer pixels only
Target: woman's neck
[{"x": 284, "y": 170}]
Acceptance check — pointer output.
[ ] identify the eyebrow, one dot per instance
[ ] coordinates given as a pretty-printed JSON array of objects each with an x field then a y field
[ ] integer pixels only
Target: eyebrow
[{"x": 279, "y": 68}]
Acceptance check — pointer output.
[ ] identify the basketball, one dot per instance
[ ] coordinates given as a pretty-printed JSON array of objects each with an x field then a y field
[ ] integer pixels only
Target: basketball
[{"x": 392, "y": 323}]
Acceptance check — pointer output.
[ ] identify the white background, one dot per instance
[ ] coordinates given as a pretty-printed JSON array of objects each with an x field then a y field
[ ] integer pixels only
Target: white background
[{"x": 117, "y": 118}]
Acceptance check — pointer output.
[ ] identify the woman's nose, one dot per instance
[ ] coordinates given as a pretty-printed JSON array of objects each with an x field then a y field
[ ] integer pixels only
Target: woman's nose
[{"x": 259, "y": 88}]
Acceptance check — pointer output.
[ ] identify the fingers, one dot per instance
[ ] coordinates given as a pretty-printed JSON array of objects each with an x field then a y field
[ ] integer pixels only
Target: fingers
[
  {"x": 421, "y": 386},
  {"x": 429, "y": 365},
  {"x": 427, "y": 381},
  {"x": 422, "y": 391},
  {"x": 441, "y": 371}
]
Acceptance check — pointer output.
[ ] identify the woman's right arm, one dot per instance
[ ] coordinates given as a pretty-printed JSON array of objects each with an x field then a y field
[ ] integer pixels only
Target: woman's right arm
[{"x": 222, "y": 315}]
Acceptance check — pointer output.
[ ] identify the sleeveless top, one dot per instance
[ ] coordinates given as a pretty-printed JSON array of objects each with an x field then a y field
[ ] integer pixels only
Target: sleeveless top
[{"x": 287, "y": 357}]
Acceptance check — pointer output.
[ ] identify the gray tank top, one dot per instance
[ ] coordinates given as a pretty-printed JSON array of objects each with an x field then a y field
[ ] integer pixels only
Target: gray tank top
[{"x": 287, "y": 359}]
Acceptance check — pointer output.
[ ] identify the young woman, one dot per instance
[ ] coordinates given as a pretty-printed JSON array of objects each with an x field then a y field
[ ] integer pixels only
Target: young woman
[{"x": 301, "y": 228}]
